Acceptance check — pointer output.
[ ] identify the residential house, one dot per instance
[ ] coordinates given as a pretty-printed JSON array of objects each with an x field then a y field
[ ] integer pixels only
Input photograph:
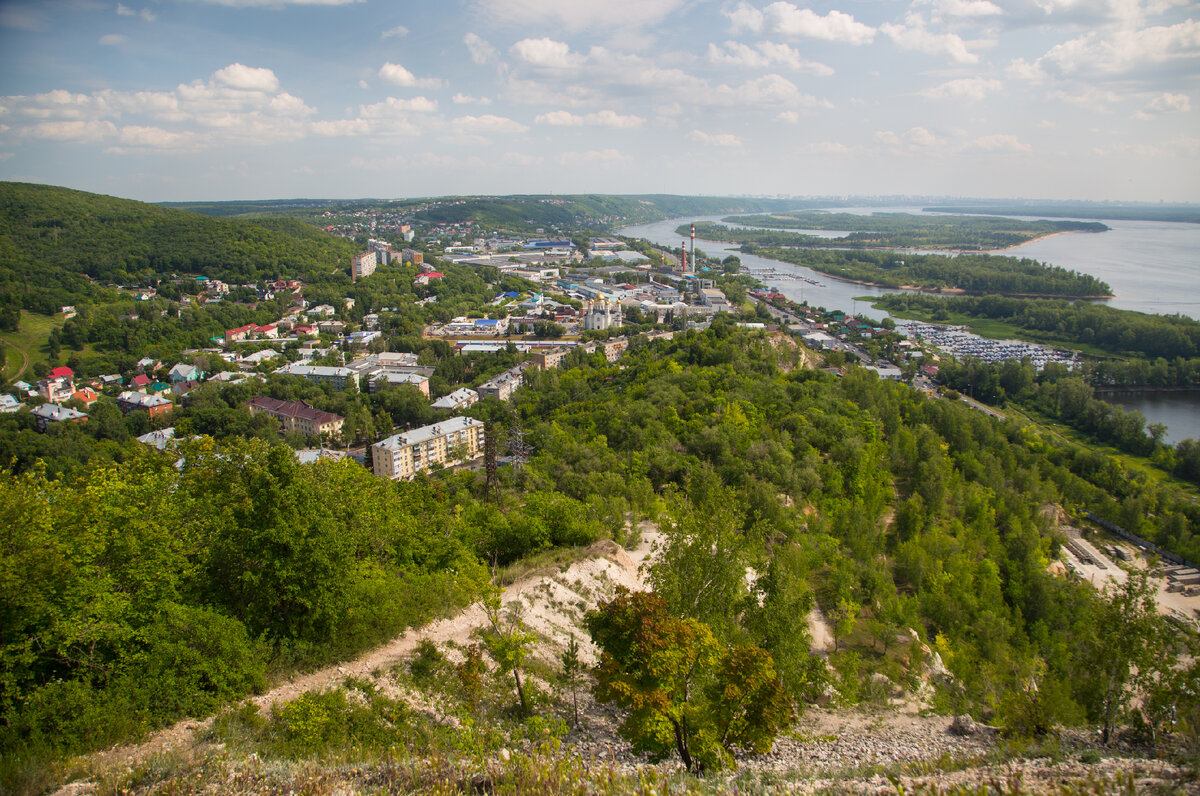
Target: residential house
[
  {"x": 86, "y": 396},
  {"x": 153, "y": 405},
  {"x": 297, "y": 416},
  {"x": 185, "y": 372},
  {"x": 450, "y": 442},
  {"x": 8, "y": 404},
  {"x": 184, "y": 387},
  {"x": 57, "y": 389},
  {"x": 140, "y": 382},
  {"x": 322, "y": 311},
  {"x": 46, "y": 414},
  {"x": 159, "y": 440}
]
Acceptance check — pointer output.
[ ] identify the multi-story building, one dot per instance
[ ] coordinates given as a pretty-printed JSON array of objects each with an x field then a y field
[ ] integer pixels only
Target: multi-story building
[
  {"x": 362, "y": 264},
  {"x": 548, "y": 359},
  {"x": 450, "y": 442},
  {"x": 459, "y": 399},
  {"x": 503, "y": 386},
  {"x": 297, "y": 416},
  {"x": 335, "y": 377}
]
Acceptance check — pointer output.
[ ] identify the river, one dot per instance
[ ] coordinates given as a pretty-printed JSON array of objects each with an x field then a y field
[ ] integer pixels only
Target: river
[{"x": 1152, "y": 266}]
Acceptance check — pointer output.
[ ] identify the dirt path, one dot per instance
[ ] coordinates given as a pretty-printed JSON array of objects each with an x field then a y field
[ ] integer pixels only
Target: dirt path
[
  {"x": 551, "y": 604},
  {"x": 24, "y": 359}
]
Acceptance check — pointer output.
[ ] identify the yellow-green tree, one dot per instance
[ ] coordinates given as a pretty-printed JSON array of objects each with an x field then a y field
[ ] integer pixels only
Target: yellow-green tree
[{"x": 685, "y": 692}]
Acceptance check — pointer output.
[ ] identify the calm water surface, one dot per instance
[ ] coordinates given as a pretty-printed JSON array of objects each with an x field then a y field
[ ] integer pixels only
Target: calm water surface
[
  {"x": 1152, "y": 267},
  {"x": 1178, "y": 411}
]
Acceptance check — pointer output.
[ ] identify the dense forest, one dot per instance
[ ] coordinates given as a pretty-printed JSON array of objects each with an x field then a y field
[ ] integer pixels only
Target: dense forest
[
  {"x": 1186, "y": 213},
  {"x": 895, "y": 230},
  {"x": 1114, "y": 331},
  {"x": 973, "y": 273},
  {"x": 135, "y": 592},
  {"x": 54, "y": 242},
  {"x": 528, "y": 213}
]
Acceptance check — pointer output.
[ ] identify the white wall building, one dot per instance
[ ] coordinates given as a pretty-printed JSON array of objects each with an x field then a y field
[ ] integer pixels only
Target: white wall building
[{"x": 450, "y": 442}]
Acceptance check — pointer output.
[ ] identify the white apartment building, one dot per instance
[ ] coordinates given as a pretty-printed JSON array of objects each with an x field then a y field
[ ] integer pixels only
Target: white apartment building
[
  {"x": 450, "y": 442},
  {"x": 362, "y": 264}
]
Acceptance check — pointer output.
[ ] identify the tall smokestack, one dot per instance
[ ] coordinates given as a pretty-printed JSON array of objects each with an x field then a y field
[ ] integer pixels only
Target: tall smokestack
[{"x": 693, "y": 245}]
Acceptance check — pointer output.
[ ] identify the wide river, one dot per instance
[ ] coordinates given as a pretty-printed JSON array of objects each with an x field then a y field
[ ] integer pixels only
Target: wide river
[{"x": 1152, "y": 267}]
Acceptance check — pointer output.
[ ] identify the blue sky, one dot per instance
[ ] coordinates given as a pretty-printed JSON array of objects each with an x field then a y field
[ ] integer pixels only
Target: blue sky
[{"x": 247, "y": 99}]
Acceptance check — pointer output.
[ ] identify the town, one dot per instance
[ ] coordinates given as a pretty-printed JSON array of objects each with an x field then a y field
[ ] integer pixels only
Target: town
[{"x": 580, "y": 302}]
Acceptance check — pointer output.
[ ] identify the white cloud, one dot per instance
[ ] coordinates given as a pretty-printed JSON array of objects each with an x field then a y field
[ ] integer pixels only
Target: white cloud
[
  {"x": 343, "y": 127},
  {"x": 488, "y": 124},
  {"x": 763, "y": 55},
  {"x": 75, "y": 131},
  {"x": 1125, "y": 50},
  {"x": 745, "y": 17},
  {"x": 791, "y": 117},
  {"x": 578, "y": 15},
  {"x": 718, "y": 140},
  {"x": 1165, "y": 103},
  {"x": 112, "y": 40},
  {"x": 481, "y": 51},
  {"x": 390, "y": 33},
  {"x": 968, "y": 88},
  {"x": 605, "y": 118},
  {"x": 246, "y": 78},
  {"x": 913, "y": 35},
  {"x": 829, "y": 148},
  {"x": 962, "y": 8},
  {"x": 394, "y": 107},
  {"x": 21, "y": 17},
  {"x": 285, "y": 104},
  {"x": 998, "y": 142},
  {"x": 604, "y": 157},
  {"x": 545, "y": 53},
  {"x": 787, "y": 19},
  {"x": 140, "y": 137},
  {"x": 916, "y": 139},
  {"x": 463, "y": 99},
  {"x": 237, "y": 104},
  {"x": 146, "y": 14},
  {"x": 521, "y": 159},
  {"x": 278, "y": 4},
  {"x": 1168, "y": 102},
  {"x": 399, "y": 76}
]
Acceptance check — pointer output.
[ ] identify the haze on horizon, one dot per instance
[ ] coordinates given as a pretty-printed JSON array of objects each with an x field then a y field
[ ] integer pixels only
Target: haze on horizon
[{"x": 181, "y": 100}]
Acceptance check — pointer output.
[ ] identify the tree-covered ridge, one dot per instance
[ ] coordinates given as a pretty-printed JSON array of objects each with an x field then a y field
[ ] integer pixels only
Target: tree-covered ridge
[
  {"x": 901, "y": 230},
  {"x": 972, "y": 273},
  {"x": 1186, "y": 213},
  {"x": 53, "y": 241},
  {"x": 596, "y": 211},
  {"x": 887, "y": 509},
  {"x": 1118, "y": 332}
]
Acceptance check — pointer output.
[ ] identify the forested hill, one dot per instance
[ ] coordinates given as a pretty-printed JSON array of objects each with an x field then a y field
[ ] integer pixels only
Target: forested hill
[
  {"x": 590, "y": 210},
  {"x": 52, "y": 239}
]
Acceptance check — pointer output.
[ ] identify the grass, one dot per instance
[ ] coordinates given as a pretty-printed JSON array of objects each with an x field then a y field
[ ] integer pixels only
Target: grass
[{"x": 30, "y": 338}]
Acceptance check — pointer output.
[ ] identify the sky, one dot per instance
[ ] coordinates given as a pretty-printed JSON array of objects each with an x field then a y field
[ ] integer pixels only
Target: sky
[{"x": 189, "y": 100}]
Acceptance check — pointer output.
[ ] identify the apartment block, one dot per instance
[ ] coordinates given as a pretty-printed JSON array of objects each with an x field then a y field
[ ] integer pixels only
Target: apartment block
[{"x": 450, "y": 442}]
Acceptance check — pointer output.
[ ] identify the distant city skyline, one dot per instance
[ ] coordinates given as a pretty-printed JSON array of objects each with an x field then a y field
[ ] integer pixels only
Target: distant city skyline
[{"x": 190, "y": 100}]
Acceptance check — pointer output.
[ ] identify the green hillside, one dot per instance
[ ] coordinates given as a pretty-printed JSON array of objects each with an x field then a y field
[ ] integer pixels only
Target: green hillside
[
  {"x": 57, "y": 245},
  {"x": 587, "y": 210}
]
